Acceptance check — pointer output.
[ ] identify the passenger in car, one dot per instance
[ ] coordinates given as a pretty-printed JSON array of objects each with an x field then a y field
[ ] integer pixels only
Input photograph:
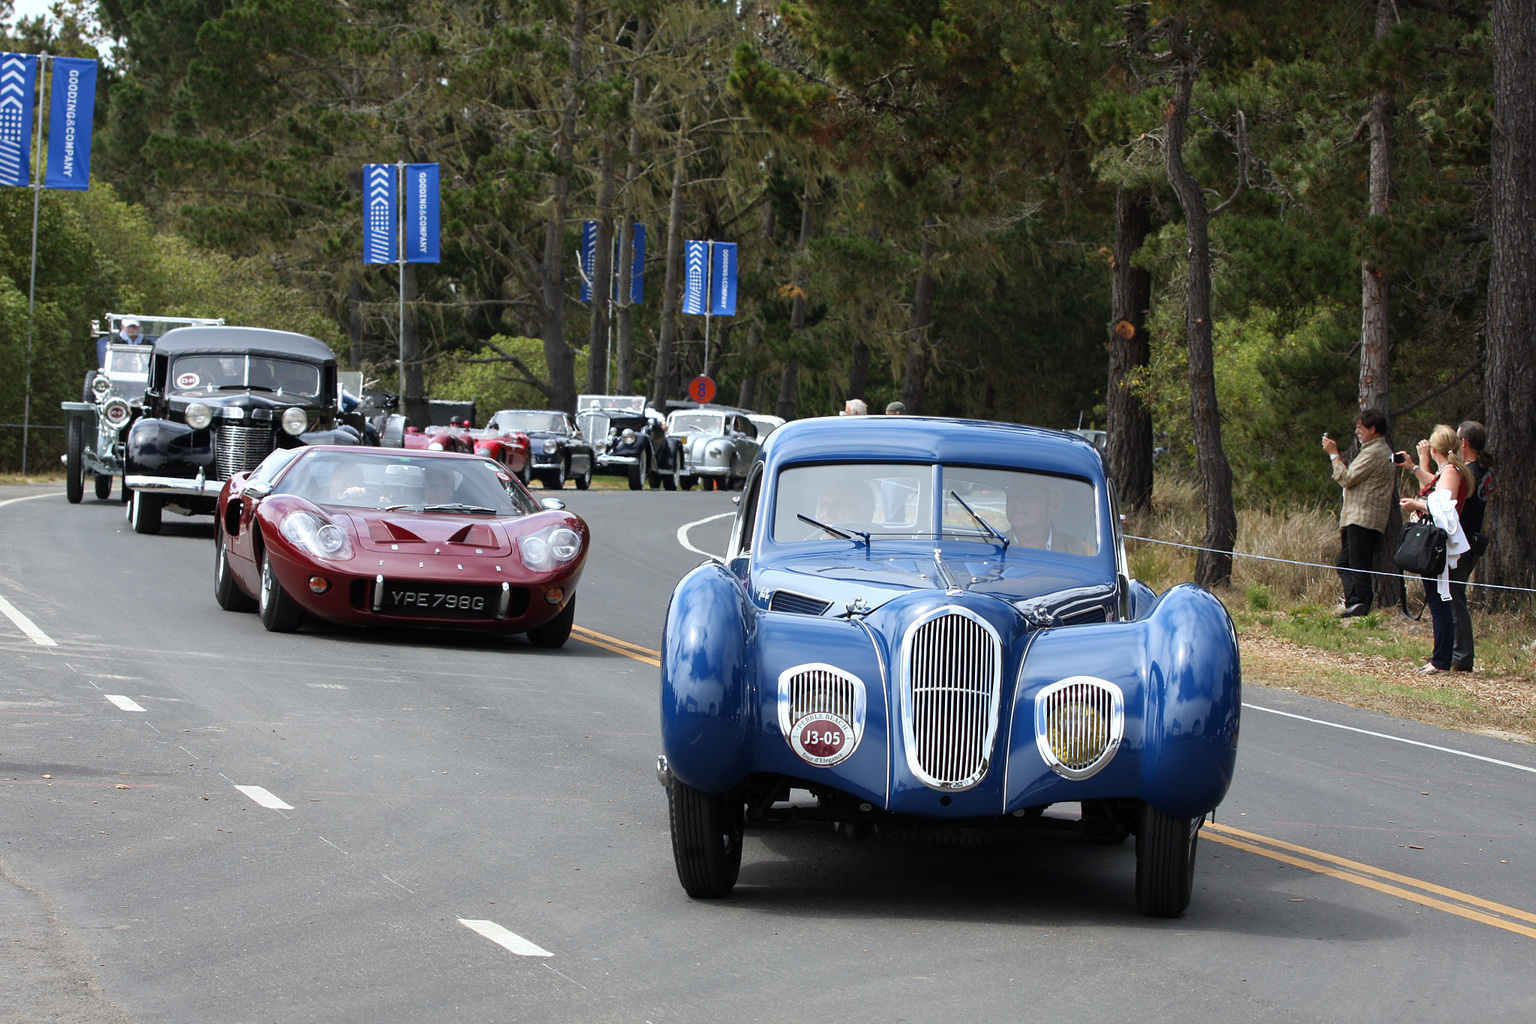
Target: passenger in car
[{"x": 1032, "y": 503}]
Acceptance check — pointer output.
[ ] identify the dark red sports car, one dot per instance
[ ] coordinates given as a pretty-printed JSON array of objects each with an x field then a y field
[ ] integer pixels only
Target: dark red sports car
[{"x": 385, "y": 536}]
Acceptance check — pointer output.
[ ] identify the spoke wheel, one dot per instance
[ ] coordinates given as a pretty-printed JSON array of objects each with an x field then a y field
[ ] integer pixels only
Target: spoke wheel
[
  {"x": 557, "y": 630},
  {"x": 230, "y": 597},
  {"x": 74, "y": 469},
  {"x": 707, "y": 830},
  {"x": 1165, "y": 862},
  {"x": 144, "y": 512},
  {"x": 279, "y": 613}
]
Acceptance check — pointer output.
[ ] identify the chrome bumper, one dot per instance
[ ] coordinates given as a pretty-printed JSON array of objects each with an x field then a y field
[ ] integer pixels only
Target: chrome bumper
[{"x": 196, "y": 487}]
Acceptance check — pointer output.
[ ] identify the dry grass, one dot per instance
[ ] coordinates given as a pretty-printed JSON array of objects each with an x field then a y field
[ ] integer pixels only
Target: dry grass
[{"x": 1291, "y": 637}]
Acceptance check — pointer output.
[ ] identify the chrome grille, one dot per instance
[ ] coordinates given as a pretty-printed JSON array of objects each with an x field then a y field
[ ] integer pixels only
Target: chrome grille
[
  {"x": 238, "y": 447},
  {"x": 951, "y": 689},
  {"x": 1079, "y": 723}
]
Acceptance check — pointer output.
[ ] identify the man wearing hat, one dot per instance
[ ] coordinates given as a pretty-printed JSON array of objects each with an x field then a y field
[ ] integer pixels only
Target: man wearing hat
[
  {"x": 127, "y": 334},
  {"x": 895, "y": 409}
]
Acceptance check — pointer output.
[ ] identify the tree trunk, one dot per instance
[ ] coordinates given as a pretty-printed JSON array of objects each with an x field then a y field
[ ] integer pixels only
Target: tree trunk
[
  {"x": 747, "y": 395},
  {"x": 1375, "y": 287},
  {"x": 858, "y": 369},
  {"x": 623, "y": 342},
  {"x": 789, "y": 381},
  {"x": 1509, "y": 387},
  {"x": 914, "y": 382},
  {"x": 417, "y": 410},
  {"x": 558, "y": 355},
  {"x": 355, "y": 321},
  {"x": 661, "y": 384},
  {"x": 1129, "y": 421},
  {"x": 785, "y": 408},
  {"x": 1213, "y": 565}
]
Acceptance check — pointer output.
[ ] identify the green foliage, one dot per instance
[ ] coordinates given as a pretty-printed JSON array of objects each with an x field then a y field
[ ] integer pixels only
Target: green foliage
[{"x": 492, "y": 381}]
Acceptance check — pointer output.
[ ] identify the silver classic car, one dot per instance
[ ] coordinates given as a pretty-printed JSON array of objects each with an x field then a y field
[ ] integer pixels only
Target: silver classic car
[{"x": 717, "y": 445}]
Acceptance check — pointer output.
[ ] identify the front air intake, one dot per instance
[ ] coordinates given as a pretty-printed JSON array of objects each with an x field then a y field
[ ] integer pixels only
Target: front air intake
[
  {"x": 240, "y": 447},
  {"x": 952, "y": 670}
]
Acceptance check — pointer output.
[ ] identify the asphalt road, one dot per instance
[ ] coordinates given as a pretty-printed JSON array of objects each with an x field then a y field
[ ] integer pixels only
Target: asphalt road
[{"x": 204, "y": 822}]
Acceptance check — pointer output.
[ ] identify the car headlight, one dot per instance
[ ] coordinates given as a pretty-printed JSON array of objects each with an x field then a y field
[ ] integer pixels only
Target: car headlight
[
  {"x": 435, "y": 446},
  {"x": 294, "y": 421},
  {"x": 550, "y": 548},
  {"x": 628, "y": 437},
  {"x": 552, "y": 444},
  {"x": 101, "y": 385},
  {"x": 309, "y": 532},
  {"x": 116, "y": 412},
  {"x": 199, "y": 416},
  {"x": 715, "y": 451}
]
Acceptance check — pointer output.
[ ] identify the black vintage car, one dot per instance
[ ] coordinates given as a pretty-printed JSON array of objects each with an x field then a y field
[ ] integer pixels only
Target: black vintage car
[
  {"x": 628, "y": 440},
  {"x": 219, "y": 400}
]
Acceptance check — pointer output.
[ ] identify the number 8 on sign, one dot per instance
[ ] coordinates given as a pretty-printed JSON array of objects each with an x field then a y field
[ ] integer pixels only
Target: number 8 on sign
[{"x": 701, "y": 389}]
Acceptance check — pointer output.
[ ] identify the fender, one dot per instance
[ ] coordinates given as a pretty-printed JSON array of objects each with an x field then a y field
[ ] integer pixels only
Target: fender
[
  {"x": 706, "y": 646},
  {"x": 1179, "y": 672},
  {"x": 155, "y": 445}
]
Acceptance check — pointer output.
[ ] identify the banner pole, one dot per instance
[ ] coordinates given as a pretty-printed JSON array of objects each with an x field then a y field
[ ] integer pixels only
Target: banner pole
[
  {"x": 37, "y": 195},
  {"x": 400, "y": 263}
]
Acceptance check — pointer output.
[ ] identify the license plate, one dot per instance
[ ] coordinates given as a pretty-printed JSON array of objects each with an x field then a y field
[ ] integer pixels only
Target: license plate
[{"x": 438, "y": 600}]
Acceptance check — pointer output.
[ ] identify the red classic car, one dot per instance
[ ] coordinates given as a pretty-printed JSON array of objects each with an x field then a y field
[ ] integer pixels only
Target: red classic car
[
  {"x": 385, "y": 536},
  {"x": 439, "y": 439},
  {"x": 508, "y": 447}
]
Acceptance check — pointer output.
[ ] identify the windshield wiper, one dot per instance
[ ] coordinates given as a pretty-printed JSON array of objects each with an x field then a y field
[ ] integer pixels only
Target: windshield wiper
[
  {"x": 241, "y": 387},
  {"x": 834, "y": 531},
  {"x": 986, "y": 526},
  {"x": 473, "y": 510}
]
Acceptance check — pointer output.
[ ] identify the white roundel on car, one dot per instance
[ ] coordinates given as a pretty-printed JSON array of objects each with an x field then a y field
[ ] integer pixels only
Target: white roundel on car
[
  {"x": 188, "y": 380},
  {"x": 821, "y": 712}
]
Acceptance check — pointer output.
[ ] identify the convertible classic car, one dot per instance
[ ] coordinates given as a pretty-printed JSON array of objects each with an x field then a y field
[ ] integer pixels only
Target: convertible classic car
[
  {"x": 219, "y": 400},
  {"x": 387, "y": 537},
  {"x": 926, "y": 625},
  {"x": 556, "y": 447},
  {"x": 629, "y": 440}
]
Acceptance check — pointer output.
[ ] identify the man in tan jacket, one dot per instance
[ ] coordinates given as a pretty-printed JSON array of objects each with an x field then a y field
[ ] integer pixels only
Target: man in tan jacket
[{"x": 1368, "y": 482}]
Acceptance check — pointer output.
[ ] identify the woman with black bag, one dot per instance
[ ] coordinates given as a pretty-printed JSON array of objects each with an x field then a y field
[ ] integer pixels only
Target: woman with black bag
[{"x": 1444, "y": 494}]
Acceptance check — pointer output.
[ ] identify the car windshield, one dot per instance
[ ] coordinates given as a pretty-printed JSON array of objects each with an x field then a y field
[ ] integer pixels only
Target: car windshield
[
  {"x": 528, "y": 421},
  {"x": 203, "y": 374},
  {"x": 868, "y": 500},
  {"x": 127, "y": 361},
  {"x": 696, "y": 423},
  {"x": 419, "y": 482},
  {"x": 612, "y": 403}
]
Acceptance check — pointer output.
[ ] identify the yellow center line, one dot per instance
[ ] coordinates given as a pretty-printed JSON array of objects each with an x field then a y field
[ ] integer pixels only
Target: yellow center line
[
  {"x": 617, "y": 646},
  {"x": 1359, "y": 874}
]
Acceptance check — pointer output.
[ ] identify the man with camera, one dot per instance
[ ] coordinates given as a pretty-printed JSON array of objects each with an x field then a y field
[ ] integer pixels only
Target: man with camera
[{"x": 1367, "y": 481}]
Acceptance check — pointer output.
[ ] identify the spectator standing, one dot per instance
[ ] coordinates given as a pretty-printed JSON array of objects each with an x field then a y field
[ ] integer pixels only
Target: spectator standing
[
  {"x": 855, "y": 407},
  {"x": 1367, "y": 480},
  {"x": 1442, "y": 501},
  {"x": 895, "y": 409},
  {"x": 1473, "y": 438}
]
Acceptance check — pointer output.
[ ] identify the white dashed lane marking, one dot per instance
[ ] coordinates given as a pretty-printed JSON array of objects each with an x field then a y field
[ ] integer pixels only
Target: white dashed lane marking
[
  {"x": 264, "y": 798},
  {"x": 510, "y": 941},
  {"x": 125, "y": 703}
]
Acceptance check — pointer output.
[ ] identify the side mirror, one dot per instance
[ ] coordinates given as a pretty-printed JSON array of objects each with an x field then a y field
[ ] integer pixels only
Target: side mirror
[
  {"x": 551, "y": 504},
  {"x": 258, "y": 490}
]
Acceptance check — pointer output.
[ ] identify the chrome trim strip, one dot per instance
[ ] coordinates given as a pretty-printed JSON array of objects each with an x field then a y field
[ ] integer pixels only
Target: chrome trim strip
[
  {"x": 174, "y": 485},
  {"x": 378, "y": 592}
]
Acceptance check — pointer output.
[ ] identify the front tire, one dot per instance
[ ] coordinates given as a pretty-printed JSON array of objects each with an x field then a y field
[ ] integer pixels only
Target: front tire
[
  {"x": 144, "y": 512},
  {"x": 74, "y": 468},
  {"x": 1165, "y": 862},
  {"x": 555, "y": 481},
  {"x": 585, "y": 480},
  {"x": 279, "y": 613},
  {"x": 707, "y": 830},
  {"x": 638, "y": 472},
  {"x": 230, "y": 597},
  {"x": 557, "y": 630},
  {"x": 103, "y": 486}
]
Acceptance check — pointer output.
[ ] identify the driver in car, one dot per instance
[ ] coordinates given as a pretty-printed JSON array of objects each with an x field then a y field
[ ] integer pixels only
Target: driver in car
[
  {"x": 1032, "y": 504},
  {"x": 438, "y": 486}
]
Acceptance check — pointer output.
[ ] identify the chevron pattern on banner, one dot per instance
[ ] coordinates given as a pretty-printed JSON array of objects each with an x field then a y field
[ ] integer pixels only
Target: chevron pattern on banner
[
  {"x": 18, "y": 78},
  {"x": 588, "y": 257},
  {"x": 379, "y": 213},
  {"x": 695, "y": 277}
]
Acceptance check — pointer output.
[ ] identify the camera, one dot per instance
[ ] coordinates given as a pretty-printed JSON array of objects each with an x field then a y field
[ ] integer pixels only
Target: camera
[{"x": 1401, "y": 458}]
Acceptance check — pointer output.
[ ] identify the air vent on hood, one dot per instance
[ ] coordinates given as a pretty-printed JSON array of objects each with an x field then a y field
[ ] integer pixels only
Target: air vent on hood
[{"x": 798, "y": 604}]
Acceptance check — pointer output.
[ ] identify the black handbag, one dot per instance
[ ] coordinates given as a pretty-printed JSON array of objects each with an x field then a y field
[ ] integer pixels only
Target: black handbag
[{"x": 1421, "y": 548}]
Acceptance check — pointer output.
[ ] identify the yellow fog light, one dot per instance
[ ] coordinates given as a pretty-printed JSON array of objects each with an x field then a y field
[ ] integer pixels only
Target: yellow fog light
[{"x": 554, "y": 595}]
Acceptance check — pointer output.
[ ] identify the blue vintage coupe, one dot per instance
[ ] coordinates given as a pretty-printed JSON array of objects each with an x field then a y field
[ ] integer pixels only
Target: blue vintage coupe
[{"x": 930, "y": 624}]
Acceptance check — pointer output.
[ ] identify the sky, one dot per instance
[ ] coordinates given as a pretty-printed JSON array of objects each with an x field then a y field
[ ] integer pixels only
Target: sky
[{"x": 29, "y": 8}]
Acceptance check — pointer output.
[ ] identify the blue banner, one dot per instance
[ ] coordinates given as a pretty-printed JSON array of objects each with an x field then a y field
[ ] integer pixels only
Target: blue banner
[
  {"x": 695, "y": 277},
  {"x": 18, "y": 82},
  {"x": 636, "y": 270},
  {"x": 722, "y": 279},
  {"x": 588, "y": 257},
  {"x": 421, "y": 212},
  {"x": 69, "y": 123},
  {"x": 379, "y": 231}
]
